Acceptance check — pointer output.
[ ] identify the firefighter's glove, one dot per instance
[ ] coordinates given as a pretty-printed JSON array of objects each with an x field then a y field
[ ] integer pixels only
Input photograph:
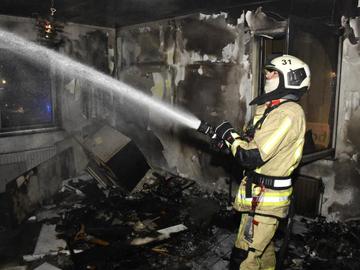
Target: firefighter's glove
[
  {"x": 219, "y": 145},
  {"x": 223, "y": 132},
  {"x": 216, "y": 143}
]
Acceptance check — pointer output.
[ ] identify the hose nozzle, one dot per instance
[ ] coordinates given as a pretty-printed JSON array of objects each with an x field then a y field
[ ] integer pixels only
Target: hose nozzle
[{"x": 206, "y": 129}]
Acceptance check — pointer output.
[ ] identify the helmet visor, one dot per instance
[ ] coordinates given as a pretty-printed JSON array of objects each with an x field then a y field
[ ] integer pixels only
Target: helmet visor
[{"x": 296, "y": 77}]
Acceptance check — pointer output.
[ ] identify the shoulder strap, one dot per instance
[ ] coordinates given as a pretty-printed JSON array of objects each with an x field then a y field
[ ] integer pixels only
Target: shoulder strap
[
  {"x": 259, "y": 123},
  {"x": 249, "y": 133}
]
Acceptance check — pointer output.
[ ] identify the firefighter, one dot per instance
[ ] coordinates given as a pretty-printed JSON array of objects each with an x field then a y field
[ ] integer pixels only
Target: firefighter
[{"x": 270, "y": 148}]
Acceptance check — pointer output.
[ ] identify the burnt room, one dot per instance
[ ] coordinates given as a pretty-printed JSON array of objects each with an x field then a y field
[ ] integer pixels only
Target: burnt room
[{"x": 180, "y": 134}]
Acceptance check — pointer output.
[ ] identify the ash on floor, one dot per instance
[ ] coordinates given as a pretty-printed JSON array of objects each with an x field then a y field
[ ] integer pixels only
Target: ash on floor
[
  {"x": 166, "y": 222},
  {"x": 321, "y": 245}
]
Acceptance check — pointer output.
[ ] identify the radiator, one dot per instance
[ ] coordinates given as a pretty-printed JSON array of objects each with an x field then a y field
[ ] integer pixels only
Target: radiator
[{"x": 308, "y": 193}]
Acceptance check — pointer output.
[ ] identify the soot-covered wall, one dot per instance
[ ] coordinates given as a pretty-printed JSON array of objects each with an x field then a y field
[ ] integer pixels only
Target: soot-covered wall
[
  {"x": 203, "y": 64},
  {"x": 55, "y": 154},
  {"x": 200, "y": 63},
  {"x": 19, "y": 154},
  {"x": 342, "y": 175}
]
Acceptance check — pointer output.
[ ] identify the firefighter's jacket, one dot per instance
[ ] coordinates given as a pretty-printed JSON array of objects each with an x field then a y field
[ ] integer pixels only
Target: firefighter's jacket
[{"x": 280, "y": 142}]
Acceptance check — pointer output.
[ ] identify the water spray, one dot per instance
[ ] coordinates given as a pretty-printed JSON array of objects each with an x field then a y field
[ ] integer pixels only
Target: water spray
[{"x": 43, "y": 56}]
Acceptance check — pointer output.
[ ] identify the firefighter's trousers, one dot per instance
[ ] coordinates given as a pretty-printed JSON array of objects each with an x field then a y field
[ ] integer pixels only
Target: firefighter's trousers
[{"x": 260, "y": 253}]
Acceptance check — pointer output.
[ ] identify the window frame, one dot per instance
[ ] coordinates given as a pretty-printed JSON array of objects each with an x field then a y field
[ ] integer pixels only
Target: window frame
[
  {"x": 328, "y": 153},
  {"x": 54, "y": 125}
]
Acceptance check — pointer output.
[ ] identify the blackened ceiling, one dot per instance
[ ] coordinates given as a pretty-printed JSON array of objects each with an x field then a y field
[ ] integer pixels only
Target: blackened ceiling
[{"x": 112, "y": 13}]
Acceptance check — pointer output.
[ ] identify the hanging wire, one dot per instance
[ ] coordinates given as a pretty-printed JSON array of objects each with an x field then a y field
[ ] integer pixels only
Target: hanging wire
[{"x": 52, "y": 8}]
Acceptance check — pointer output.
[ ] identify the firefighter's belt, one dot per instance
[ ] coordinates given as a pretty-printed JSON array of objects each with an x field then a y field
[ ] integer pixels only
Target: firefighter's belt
[{"x": 272, "y": 182}]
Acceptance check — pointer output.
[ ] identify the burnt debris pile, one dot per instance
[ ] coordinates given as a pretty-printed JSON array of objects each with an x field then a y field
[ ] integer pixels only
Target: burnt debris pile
[
  {"x": 166, "y": 222},
  {"x": 325, "y": 245}
]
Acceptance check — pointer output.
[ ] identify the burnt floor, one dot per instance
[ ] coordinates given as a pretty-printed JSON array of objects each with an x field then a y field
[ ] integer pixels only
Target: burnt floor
[{"x": 168, "y": 223}]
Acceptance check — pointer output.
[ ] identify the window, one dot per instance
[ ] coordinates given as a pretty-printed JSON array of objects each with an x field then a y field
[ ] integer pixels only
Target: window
[
  {"x": 26, "y": 101},
  {"x": 317, "y": 45}
]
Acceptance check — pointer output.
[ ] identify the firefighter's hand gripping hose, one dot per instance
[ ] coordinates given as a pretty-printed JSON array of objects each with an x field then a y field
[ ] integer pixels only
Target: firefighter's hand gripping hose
[
  {"x": 206, "y": 129},
  {"x": 223, "y": 131},
  {"x": 217, "y": 135}
]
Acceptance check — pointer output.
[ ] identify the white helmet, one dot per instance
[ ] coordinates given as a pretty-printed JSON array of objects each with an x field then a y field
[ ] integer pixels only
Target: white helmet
[{"x": 292, "y": 83}]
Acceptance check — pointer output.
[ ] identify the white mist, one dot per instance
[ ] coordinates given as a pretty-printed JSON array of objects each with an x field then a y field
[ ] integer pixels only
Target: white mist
[{"x": 42, "y": 56}]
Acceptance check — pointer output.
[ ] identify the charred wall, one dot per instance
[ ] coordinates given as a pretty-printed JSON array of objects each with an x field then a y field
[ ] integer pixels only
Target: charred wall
[
  {"x": 341, "y": 175},
  {"x": 19, "y": 154},
  {"x": 208, "y": 78},
  {"x": 74, "y": 105},
  {"x": 38, "y": 185},
  {"x": 199, "y": 63}
]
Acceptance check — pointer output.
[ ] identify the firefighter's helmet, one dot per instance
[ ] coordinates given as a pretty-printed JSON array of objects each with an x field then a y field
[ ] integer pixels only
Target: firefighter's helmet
[{"x": 293, "y": 80}]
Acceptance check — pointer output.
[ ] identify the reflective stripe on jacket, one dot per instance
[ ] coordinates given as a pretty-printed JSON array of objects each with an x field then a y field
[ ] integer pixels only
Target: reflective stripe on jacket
[{"x": 280, "y": 142}]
